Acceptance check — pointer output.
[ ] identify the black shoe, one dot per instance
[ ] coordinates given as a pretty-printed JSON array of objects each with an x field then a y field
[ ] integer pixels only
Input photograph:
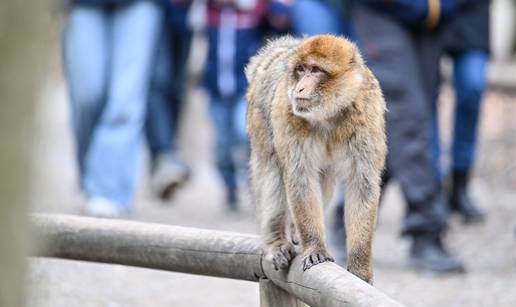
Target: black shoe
[
  {"x": 428, "y": 254},
  {"x": 460, "y": 201}
]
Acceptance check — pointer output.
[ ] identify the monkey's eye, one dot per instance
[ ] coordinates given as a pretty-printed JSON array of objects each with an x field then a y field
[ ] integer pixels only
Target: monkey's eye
[
  {"x": 300, "y": 69},
  {"x": 316, "y": 70}
]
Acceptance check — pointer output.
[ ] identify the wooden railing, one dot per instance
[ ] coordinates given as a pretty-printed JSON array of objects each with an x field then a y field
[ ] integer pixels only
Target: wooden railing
[{"x": 203, "y": 252}]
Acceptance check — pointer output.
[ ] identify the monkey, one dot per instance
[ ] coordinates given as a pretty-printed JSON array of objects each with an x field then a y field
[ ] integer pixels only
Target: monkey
[{"x": 315, "y": 117}]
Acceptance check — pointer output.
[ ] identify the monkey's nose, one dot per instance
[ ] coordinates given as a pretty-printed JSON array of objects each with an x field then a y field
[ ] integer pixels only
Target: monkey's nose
[{"x": 301, "y": 89}]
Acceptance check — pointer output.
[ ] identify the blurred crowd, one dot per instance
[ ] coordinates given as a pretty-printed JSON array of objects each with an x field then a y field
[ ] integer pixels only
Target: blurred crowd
[{"x": 126, "y": 61}]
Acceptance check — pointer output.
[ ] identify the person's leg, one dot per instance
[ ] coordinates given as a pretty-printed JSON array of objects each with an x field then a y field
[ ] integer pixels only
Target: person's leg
[
  {"x": 239, "y": 120},
  {"x": 85, "y": 60},
  {"x": 436, "y": 141},
  {"x": 222, "y": 111},
  {"x": 392, "y": 54},
  {"x": 112, "y": 165},
  {"x": 323, "y": 18},
  {"x": 158, "y": 125},
  {"x": 180, "y": 45},
  {"x": 167, "y": 89},
  {"x": 179, "y": 49},
  {"x": 168, "y": 170},
  {"x": 470, "y": 83},
  {"x": 238, "y": 149}
]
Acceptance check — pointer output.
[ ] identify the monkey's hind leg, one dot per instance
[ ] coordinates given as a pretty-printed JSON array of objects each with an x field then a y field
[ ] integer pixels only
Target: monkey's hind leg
[{"x": 271, "y": 198}]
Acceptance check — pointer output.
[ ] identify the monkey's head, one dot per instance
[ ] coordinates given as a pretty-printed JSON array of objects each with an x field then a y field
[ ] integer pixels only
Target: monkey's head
[{"x": 326, "y": 77}]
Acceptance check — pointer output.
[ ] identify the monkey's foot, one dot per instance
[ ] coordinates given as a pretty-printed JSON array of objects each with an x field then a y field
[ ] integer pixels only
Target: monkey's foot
[
  {"x": 365, "y": 275},
  {"x": 315, "y": 258},
  {"x": 280, "y": 254}
]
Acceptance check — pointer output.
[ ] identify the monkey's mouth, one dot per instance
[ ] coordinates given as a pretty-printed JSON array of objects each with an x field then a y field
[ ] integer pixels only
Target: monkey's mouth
[
  {"x": 302, "y": 109},
  {"x": 303, "y": 105}
]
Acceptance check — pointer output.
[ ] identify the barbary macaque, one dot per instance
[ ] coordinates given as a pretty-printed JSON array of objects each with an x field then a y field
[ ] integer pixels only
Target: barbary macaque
[{"x": 315, "y": 115}]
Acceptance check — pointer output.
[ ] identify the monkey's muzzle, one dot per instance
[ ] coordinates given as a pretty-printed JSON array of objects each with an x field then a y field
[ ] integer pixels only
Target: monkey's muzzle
[{"x": 303, "y": 105}]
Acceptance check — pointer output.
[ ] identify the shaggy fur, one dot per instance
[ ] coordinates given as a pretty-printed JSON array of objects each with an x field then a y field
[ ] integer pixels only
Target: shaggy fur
[{"x": 296, "y": 157}]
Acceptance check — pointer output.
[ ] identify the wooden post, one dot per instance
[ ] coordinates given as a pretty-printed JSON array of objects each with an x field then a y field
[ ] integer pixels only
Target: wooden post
[
  {"x": 25, "y": 38},
  {"x": 273, "y": 296}
]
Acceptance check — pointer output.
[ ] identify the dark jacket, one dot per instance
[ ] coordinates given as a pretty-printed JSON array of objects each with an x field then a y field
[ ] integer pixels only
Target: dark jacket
[
  {"x": 469, "y": 29},
  {"x": 416, "y": 13}
]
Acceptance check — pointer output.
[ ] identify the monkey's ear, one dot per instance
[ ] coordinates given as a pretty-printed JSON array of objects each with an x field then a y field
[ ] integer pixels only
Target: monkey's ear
[{"x": 356, "y": 59}]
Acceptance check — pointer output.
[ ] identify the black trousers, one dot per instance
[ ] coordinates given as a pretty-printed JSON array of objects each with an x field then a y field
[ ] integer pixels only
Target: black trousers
[{"x": 406, "y": 64}]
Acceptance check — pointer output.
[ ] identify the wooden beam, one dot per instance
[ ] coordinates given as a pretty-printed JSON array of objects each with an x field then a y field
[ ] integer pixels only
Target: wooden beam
[
  {"x": 204, "y": 252},
  {"x": 327, "y": 285},
  {"x": 170, "y": 248}
]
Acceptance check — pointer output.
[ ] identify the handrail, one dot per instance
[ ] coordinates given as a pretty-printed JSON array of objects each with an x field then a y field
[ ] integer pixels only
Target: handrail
[{"x": 199, "y": 251}]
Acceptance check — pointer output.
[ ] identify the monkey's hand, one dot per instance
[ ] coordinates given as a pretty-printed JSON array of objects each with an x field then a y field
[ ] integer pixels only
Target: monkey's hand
[
  {"x": 281, "y": 254},
  {"x": 312, "y": 258}
]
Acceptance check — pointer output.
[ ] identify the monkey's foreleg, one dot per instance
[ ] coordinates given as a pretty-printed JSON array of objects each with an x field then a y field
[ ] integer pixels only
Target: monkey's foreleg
[
  {"x": 273, "y": 209},
  {"x": 304, "y": 200},
  {"x": 361, "y": 198}
]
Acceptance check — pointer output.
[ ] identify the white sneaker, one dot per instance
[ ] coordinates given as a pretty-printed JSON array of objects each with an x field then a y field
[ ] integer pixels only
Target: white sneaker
[
  {"x": 103, "y": 207},
  {"x": 169, "y": 172}
]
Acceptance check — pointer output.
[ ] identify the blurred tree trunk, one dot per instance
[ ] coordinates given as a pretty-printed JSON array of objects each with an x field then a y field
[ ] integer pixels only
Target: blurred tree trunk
[{"x": 24, "y": 45}]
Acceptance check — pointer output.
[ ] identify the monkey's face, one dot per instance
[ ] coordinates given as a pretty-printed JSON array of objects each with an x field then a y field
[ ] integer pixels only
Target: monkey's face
[
  {"x": 325, "y": 77},
  {"x": 305, "y": 94}
]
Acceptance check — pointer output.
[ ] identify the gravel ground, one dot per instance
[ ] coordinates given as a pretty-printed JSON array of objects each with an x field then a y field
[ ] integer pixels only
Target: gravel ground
[{"x": 489, "y": 249}]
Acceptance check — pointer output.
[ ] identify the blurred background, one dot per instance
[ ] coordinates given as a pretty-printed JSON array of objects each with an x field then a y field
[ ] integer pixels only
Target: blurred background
[{"x": 136, "y": 110}]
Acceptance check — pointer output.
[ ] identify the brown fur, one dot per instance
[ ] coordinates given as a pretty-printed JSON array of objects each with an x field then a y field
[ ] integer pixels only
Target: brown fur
[{"x": 297, "y": 156}]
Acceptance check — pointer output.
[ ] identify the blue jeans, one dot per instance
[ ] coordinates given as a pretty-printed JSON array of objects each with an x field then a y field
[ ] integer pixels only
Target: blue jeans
[
  {"x": 167, "y": 89},
  {"x": 323, "y": 18},
  {"x": 470, "y": 83},
  {"x": 229, "y": 115},
  {"x": 108, "y": 53}
]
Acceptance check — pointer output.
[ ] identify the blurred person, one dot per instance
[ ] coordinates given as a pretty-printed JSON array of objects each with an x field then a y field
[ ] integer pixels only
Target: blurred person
[
  {"x": 235, "y": 31},
  {"x": 466, "y": 41},
  {"x": 401, "y": 41},
  {"x": 166, "y": 96},
  {"x": 108, "y": 50}
]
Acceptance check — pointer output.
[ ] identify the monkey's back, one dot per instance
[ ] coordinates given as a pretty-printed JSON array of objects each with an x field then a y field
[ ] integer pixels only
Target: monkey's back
[
  {"x": 264, "y": 73},
  {"x": 266, "y": 69}
]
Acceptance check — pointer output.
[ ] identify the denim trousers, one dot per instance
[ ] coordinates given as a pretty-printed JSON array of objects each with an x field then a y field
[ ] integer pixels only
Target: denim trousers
[
  {"x": 167, "y": 89},
  {"x": 469, "y": 79},
  {"x": 108, "y": 53},
  {"x": 228, "y": 116}
]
